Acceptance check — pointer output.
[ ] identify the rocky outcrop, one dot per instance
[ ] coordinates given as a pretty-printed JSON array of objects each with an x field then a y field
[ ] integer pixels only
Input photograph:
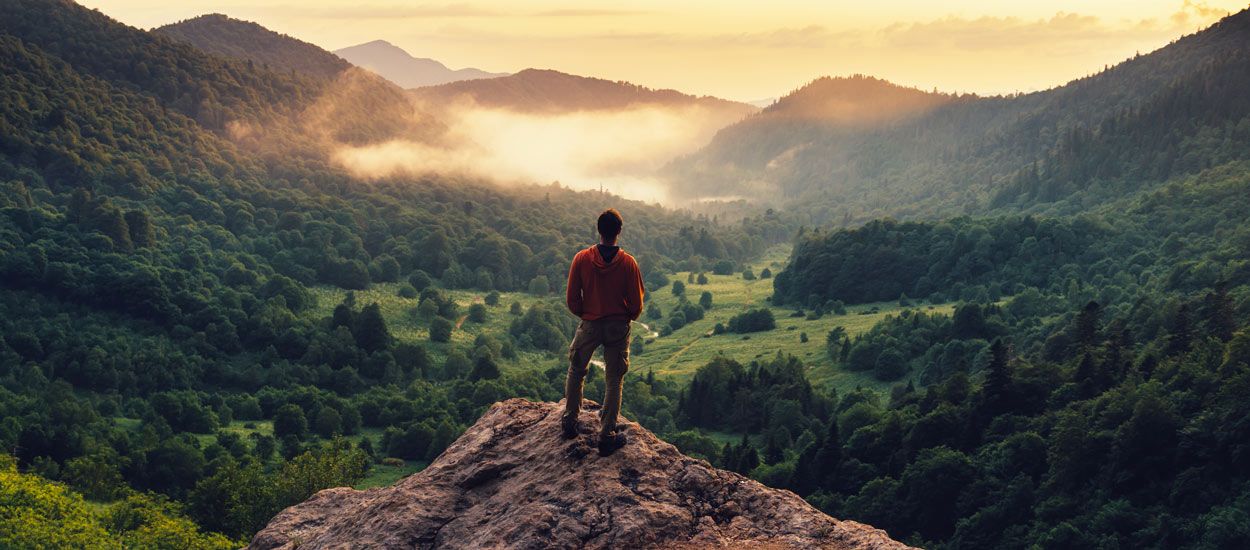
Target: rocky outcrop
[{"x": 511, "y": 481}]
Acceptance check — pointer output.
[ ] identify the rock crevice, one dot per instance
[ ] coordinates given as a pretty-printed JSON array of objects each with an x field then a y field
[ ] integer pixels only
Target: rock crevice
[{"x": 511, "y": 481}]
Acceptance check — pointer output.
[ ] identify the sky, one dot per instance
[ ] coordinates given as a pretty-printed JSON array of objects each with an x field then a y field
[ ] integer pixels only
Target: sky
[{"x": 742, "y": 50}]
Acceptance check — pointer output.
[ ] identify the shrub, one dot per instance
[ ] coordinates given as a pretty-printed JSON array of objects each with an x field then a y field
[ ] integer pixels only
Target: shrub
[
  {"x": 440, "y": 330},
  {"x": 754, "y": 320}
]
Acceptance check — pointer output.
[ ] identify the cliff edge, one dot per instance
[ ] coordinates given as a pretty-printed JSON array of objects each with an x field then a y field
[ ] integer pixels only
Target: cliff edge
[{"x": 511, "y": 481}]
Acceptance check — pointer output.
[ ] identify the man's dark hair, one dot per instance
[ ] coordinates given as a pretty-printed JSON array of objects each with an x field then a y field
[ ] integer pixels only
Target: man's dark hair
[{"x": 610, "y": 223}]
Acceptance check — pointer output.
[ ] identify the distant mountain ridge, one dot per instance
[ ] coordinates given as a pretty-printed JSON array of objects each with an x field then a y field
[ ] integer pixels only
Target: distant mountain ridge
[
  {"x": 969, "y": 154},
  {"x": 546, "y": 91},
  {"x": 218, "y": 34},
  {"x": 405, "y": 70}
]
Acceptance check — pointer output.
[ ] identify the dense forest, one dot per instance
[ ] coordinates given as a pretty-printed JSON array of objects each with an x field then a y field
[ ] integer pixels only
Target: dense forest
[
  {"x": 164, "y": 273},
  {"x": 157, "y": 276}
]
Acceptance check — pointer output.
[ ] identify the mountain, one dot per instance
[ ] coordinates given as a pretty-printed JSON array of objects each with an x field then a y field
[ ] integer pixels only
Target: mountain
[
  {"x": 548, "y": 91},
  {"x": 959, "y": 153},
  {"x": 406, "y": 71},
  {"x": 511, "y": 481},
  {"x": 222, "y": 35}
]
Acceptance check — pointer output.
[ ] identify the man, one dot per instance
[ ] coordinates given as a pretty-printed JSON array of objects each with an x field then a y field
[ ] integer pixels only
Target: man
[{"x": 605, "y": 290}]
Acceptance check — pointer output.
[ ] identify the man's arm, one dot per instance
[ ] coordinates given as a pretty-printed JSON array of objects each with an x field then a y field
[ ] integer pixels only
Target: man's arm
[
  {"x": 573, "y": 291},
  {"x": 634, "y": 292}
]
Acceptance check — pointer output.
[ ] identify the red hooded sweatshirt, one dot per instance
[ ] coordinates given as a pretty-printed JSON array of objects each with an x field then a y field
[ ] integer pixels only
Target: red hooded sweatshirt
[{"x": 604, "y": 290}]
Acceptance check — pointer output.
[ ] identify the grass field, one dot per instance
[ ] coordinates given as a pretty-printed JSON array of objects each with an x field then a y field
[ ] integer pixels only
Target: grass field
[
  {"x": 677, "y": 355},
  {"x": 685, "y": 350},
  {"x": 406, "y": 326}
]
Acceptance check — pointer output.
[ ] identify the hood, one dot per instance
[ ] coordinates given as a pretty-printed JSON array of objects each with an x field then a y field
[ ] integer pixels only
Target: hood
[{"x": 597, "y": 260}]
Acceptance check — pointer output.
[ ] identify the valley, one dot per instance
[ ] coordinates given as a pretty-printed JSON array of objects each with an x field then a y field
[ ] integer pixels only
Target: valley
[{"x": 237, "y": 269}]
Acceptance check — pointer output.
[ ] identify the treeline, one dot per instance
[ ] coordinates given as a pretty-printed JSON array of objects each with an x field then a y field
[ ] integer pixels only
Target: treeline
[
  {"x": 1176, "y": 238},
  {"x": 960, "y": 258}
]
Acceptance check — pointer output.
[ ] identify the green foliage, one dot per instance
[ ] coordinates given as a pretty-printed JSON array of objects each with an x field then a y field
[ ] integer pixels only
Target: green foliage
[
  {"x": 440, "y": 329},
  {"x": 37, "y": 513},
  {"x": 754, "y": 320}
]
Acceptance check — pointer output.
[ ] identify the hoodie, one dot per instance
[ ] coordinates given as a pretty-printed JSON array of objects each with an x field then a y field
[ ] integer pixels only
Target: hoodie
[{"x": 604, "y": 289}]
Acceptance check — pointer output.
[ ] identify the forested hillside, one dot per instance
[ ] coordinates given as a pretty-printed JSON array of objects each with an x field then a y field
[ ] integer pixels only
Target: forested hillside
[
  {"x": 159, "y": 277},
  {"x": 1125, "y": 129},
  {"x": 222, "y": 35},
  {"x": 202, "y": 320}
]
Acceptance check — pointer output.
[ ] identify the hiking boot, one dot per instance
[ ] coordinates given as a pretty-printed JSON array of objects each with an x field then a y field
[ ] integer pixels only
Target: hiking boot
[
  {"x": 609, "y": 443},
  {"x": 568, "y": 427}
]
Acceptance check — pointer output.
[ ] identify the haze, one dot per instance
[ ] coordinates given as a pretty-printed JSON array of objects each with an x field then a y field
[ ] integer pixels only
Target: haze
[{"x": 738, "y": 50}]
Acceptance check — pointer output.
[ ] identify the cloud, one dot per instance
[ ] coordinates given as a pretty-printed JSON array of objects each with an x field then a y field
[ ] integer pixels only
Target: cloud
[
  {"x": 588, "y": 12},
  {"x": 618, "y": 150},
  {"x": 379, "y": 11}
]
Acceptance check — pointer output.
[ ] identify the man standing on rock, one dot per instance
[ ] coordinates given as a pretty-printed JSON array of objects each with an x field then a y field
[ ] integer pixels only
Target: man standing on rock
[{"x": 605, "y": 290}]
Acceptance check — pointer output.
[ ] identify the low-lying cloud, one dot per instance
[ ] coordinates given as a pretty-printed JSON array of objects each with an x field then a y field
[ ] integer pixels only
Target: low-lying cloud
[{"x": 617, "y": 150}]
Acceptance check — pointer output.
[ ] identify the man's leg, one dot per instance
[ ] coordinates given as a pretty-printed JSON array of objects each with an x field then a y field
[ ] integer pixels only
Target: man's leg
[
  {"x": 580, "y": 351},
  {"x": 616, "y": 363}
]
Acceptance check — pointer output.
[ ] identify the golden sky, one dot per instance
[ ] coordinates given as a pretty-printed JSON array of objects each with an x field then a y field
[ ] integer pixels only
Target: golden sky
[{"x": 742, "y": 50}]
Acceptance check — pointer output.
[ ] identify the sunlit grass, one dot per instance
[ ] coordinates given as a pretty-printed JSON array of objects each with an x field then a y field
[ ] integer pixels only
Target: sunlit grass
[
  {"x": 677, "y": 355},
  {"x": 681, "y": 353}
]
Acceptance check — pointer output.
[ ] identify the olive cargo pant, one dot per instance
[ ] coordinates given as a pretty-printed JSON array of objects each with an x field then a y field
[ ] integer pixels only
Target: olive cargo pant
[{"x": 614, "y": 337}]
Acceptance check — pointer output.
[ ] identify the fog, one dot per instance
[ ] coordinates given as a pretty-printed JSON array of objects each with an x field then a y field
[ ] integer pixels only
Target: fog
[{"x": 616, "y": 150}]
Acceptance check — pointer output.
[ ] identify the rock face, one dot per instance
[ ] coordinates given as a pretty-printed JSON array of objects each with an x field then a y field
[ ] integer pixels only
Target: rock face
[{"x": 511, "y": 481}]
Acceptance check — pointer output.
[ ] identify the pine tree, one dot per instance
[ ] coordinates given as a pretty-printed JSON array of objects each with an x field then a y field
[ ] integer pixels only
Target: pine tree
[
  {"x": 829, "y": 457},
  {"x": 998, "y": 384},
  {"x": 1085, "y": 326}
]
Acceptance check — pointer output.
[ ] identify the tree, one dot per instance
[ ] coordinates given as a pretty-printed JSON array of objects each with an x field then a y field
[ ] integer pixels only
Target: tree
[
  {"x": 701, "y": 279},
  {"x": 289, "y": 420},
  {"x": 828, "y": 457},
  {"x": 1180, "y": 331},
  {"x": 477, "y": 313},
  {"x": 705, "y": 300},
  {"x": 679, "y": 288},
  {"x": 484, "y": 368},
  {"x": 440, "y": 330},
  {"x": 420, "y": 280},
  {"x": 492, "y": 298},
  {"x": 142, "y": 232},
  {"x": 371, "y": 332},
  {"x": 539, "y": 285},
  {"x": 1085, "y": 326},
  {"x": 748, "y": 275},
  {"x": 328, "y": 423},
  {"x": 997, "y": 388}
]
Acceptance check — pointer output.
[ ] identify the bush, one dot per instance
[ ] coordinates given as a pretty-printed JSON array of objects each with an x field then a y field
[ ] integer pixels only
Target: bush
[
  {"x": 701, "y": 279},
  {"x": 440, "y": 330},
  {"x": 705, "y": 300},
  {"x": 766, "y": 273},
  {"x": 420, "y": 280},
  {"x": 477, "y": 313},
  {"x": 754, "y": 320},
  {"x": 723, "y": 267},
  {"x": 407, "y": 291},
  {"x": 679, "y": 288},
  {"x": 492, "y": 298},
  {"x": 748, "y": 275}
]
